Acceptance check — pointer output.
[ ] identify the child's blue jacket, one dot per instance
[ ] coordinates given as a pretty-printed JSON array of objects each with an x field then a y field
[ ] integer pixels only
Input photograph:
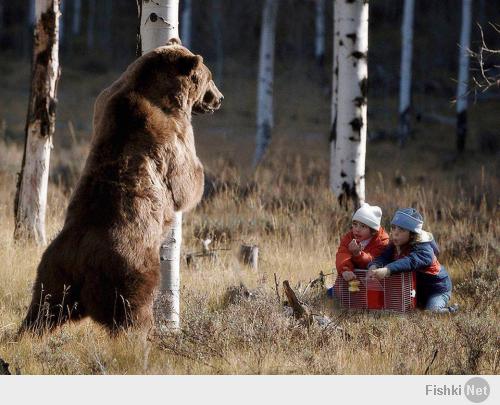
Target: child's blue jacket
[{"x": 432, "y": 278}]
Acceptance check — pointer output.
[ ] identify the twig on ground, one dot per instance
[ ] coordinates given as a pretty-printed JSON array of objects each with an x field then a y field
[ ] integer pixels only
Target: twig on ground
[
  {"x": 277, "y": 288},
  {"x": 432, "y": 361}
]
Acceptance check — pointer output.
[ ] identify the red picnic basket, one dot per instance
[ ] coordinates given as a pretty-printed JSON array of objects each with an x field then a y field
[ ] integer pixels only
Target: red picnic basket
[{"x": 393, "y": 293}]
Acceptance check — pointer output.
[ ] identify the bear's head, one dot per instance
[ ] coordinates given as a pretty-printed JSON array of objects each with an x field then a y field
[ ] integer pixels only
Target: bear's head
[{"x": 173, "y": 78}]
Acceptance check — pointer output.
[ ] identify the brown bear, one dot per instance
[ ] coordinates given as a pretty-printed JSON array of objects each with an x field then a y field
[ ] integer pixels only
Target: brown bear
[{"x": 142, "y": 167}]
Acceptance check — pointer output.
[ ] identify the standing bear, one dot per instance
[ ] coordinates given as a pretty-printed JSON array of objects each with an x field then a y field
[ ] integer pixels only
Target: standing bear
[{"x": 142, "y": 167}]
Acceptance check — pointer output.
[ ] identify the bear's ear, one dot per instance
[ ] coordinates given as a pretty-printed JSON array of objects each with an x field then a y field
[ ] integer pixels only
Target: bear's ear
[
  {"x": 173, "y": 41},
  {"x": 186, "y": 64}
]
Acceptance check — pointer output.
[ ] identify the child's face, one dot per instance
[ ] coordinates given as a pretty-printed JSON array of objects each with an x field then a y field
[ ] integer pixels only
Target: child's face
[
  {"x": 399, "y": 236},
  {"x": 361, "y": 231}
]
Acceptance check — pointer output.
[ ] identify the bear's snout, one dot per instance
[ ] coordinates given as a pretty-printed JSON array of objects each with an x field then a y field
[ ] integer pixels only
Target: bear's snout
[{"x": 211, "y": 100}]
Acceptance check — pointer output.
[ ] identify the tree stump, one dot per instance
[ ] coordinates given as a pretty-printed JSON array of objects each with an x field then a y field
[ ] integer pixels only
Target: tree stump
[{"x": 249, "y": 255}]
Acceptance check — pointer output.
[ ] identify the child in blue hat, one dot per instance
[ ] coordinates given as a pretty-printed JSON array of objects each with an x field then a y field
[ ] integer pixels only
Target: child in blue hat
[{"x": 413, "y": 249}]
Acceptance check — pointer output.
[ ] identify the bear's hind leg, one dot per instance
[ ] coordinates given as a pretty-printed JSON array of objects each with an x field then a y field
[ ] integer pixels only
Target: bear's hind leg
[{"x": 50, "y": 308}]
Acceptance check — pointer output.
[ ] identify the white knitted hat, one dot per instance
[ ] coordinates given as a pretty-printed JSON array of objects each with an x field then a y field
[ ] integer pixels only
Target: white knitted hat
[{"x": 369, "y": 215}]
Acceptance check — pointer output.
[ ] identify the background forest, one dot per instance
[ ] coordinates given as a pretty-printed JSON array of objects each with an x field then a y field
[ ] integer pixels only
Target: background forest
[{"x": 231, "y": 319}]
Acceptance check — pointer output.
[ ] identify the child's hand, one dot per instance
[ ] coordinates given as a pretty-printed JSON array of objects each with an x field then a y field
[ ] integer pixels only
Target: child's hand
[
  {"x": 379, "y": 274},
  {"x": 348, "y": 275},
  {"x": 354, "y": 247}
]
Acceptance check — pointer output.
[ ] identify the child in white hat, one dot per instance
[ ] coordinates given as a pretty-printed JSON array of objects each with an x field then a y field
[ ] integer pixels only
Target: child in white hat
[{"x": 365, "y": 240}]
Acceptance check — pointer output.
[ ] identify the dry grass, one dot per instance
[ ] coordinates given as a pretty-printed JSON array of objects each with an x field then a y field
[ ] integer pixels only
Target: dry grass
[{"x": 287, "y": 210}]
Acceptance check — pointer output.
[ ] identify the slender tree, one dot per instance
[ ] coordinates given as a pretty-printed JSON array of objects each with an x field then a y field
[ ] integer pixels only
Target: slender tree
[
  {"x": 350, "y": 146},
  {"x": 159, "y": 23},
  {"x": 76, "y": 20},
  {"x": 62, "y": 8},
  {"x": 219, "y": 48},
  {"x": 32, "y": 13},
  {"x": 31, "y": 194},
  {"x": 319, "y": 42},
  {"x": 91, "y": 24},
  {"x": 335, "y": 81},
  {"x": 186, "y": 23},
  {"x": 405, "y": 79},
  {"x": 265, "y": 80},
  {"x": 463, "y": 75}
]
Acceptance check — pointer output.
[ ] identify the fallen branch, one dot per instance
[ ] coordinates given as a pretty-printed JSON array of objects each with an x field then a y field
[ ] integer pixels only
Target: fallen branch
[
  {"x": 432, "y": 361},
  {"x": 300, "y": 311}
]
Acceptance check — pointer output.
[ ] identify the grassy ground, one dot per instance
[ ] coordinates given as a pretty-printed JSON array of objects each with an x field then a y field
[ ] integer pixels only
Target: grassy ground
[{"x": 287, "y": 209}]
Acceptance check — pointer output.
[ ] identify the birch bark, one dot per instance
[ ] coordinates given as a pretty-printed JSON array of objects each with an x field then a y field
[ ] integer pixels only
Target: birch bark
[
  {"x": 31, "y": 193},
  {"x": 265, "y": 81},
  {"x": 319, "y": 42},
  {"x": 186, "y": 24},
  {"x": 350, "y": 146},
  {"x": 335, "y": 80},
  {"x": 463, "y": 75},
  {"x": 405, "y": 79},
  {"x": 159, "y": 23}
]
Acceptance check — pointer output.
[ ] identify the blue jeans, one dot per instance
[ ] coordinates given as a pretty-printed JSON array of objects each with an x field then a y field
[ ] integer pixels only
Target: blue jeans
[{"x": 438, "y": 302}]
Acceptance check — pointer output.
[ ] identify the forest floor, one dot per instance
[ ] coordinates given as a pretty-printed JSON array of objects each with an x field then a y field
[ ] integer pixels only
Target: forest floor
[{"x": 287, "y": 209}]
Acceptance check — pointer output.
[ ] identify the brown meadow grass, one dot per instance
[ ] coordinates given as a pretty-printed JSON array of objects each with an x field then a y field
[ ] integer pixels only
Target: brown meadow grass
[{"x": 287, "y": 209}]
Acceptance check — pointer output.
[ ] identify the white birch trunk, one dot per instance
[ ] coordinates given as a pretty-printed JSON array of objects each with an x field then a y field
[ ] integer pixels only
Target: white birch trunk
[
  {"x": 405, "y": 80},
  {"x": 463, "y": 74},
  {"x": 61, "y": 20},
  {"x": 319, "y": 42},
  {"x": 350, "y": 148},
  {"x": 31, "y": 195},
  {"x": 335, "y": 81},
  {"x": 265, "y": 81},
  {"x": 159, "y": 23},
  {"x": 186, "y": 24},
  {"x": 219, "y": 48},
  {"x": 32, "y": 13},
  {"x": 91, "y": 24},
  {"x": 76, "y": 23}
]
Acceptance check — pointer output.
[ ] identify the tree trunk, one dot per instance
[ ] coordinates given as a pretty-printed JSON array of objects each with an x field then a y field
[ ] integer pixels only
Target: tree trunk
[
  {"x": 219, "y": 48},
  {"x": 405, "y": 80},
  {"x": 76, "y": 23},
  {"x": 319, "y": 42},
  {"x": 463, "y": 75},
  {"x": 104, "y": 24},
  {"x": 31, "y": 193},
  {"x": 27, "y": 44},
  {"x": 91, "y": 25},
  {"x": 350, "y": 145},
  {"x": 32, "y": 13},
  {"x": 61, "y": 21},
  {"x": 159, "y": 23},
  {"x": 265, "y": 82},
  {"x": 335, "y": 88},
  {"x": 186, "y": 24}
]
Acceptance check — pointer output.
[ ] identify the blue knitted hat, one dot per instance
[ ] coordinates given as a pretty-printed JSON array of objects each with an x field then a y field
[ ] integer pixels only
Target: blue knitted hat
[{"x": 408, "y": 218}]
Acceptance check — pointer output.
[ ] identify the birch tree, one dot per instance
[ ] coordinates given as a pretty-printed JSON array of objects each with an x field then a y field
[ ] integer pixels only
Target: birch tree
[
  {"x": 265, "y": 80},
  {"x": 159, "y": 23},
  {"x": 31, "y": 193},
  {"x": 350, "y": 145},
  {"x": 219, "y": 49},
  {"x": 335, "y": 78},
  {"x": 76, "y": 20},
  {"x": 62, "y": 7},
  {"x": 463, "y": 75},
  {"x": 91, "y": 24},
  {"x": 405, "y": 79},
  {"x": 186, "y": 23},
  {"x": 319, "y": 42}
]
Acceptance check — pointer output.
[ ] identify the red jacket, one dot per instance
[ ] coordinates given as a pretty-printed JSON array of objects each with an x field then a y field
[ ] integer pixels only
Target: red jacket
[{"x": 375, "y": 247}]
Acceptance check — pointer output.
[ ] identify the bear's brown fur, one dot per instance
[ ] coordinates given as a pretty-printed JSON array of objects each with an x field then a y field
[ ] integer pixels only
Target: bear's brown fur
[{"x": 142, "y": 167}]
